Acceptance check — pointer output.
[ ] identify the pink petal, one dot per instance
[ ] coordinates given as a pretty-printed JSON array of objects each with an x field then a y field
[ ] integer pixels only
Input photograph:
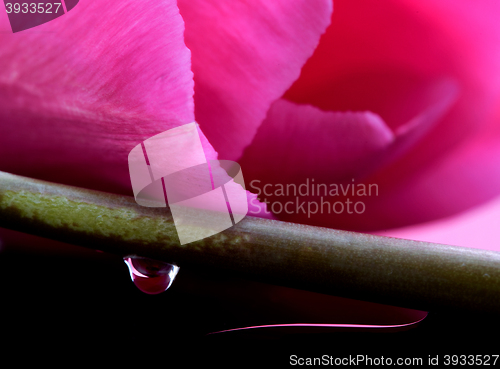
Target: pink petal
[
  {"x": 440, "y": 97},
  {"x": 474, "y": 28},
  {"x": 78, "y": 93},
  {"x": 298, "y": 142},
  {"x": 245, "y": 56},
  {"x": 382, "y": 56},
  {"x": 302, "y": 146},
  {"x": 467, "y": 177},
  {"x": 376, "y": 56}
]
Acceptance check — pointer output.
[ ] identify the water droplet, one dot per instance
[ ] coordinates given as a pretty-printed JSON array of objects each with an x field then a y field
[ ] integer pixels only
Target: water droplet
[{"x": 151, "y": 276}]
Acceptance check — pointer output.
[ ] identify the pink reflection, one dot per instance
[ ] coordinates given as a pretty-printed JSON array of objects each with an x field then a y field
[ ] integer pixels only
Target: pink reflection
[{"x": 325, "y": 328}]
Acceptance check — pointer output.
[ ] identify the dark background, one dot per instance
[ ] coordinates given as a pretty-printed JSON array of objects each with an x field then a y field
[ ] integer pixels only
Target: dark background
[{"x": 66, "y": 300}]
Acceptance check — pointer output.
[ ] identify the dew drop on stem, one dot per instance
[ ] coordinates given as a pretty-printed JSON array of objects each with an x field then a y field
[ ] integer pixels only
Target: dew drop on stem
[{"x": 151, "y": 276}]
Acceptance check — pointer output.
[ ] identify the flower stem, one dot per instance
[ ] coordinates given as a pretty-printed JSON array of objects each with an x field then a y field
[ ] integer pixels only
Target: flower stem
[{"x": 392, "y": 271}]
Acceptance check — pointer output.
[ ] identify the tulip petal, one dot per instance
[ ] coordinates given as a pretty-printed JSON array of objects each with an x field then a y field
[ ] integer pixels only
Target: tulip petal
[
  {"x": 441, "y": 96},
  {"x": 300, "y": 145},
  {"x": 78, "y": 93},
  {"x": 468, "y": 177},
  {"x": 245, "y": 55},
  {"x": 298, "y": 142},
  {"x": 381, "y": 56}
]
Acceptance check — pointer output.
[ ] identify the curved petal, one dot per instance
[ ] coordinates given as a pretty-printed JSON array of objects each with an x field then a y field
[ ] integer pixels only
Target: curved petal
[
  {"x": 381, "y": 56},
  {"x": 299, "y": 142},
  {"x": 246, "y": 54},
  {"x": 376, "y": 54},
  {"x": 78, "y": 93},
  {"x": 466, "y": 178},
  {"x": 302, "y": 155}
]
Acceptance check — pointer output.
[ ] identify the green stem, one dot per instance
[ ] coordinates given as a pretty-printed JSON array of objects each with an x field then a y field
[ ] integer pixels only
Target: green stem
[{"x": 405, "y": 273}]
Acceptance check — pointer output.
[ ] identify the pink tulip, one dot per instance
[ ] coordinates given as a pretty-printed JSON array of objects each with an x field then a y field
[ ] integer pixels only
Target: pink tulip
[{"x": 395, "y": 94}]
